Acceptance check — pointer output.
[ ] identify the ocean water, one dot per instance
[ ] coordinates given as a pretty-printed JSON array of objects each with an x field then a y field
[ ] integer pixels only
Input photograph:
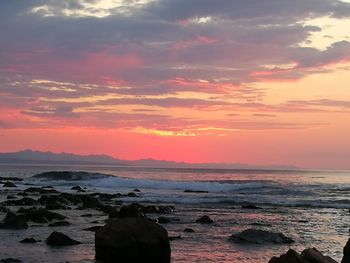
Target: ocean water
[{"x": 312, "y": 207}]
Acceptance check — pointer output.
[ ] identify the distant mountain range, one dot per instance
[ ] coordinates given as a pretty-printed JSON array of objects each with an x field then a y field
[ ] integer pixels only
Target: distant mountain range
[{"x": 37, "y": 157}]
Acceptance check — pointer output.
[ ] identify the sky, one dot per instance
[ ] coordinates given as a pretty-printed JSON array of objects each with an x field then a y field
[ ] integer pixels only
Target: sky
[{"x": 255, "y": 81}]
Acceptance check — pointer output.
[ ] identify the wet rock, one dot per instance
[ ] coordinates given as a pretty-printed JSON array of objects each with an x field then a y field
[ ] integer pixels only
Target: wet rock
[
  {"x": 28, "y": 240},
  {"x": 132, "y": 194},
  {"x": 40, "y": 215},
  {"x": 9, "y": 184},
  {"x": 60, "y": 223},
  {"x": 70, "y": 175},
  {"x": 290, "y": 257},
  {"x": 10, "y": 260},
  {"x": 77, "y": 188},
  {"x": 196, "y": 191},
  {"x": 6, "y": 178},
  {"x": 346, "y": 251},
  {"x": 40, "y": 190},
  {"x": 89, "y": 201},
  {"x": 205, "y": 220},
  {"x": 165, "y": 209},
  {"x": 11, "y": 197},
  {"x": 110, "y": 210},
  {"x": 132, "y": 210},
  {"x": 163, "y": 220},
  {"x": 13, "y": 221},
  {"x": 137, "y": 190},
  {"x": 250, "y": 207},
  {"x": 314, "y": 256},
  {"x": 132, "y": 240},
  {"x": 22, "y": 194},
  {"x": 93, "y": 228},
  {"x": 310, "y": 255},
  {"x": 189, "y": 230},
  {"x": 59, "y": 239},
  {"x": 25, "y": 201},
  {"x": 257, "y": 236}
]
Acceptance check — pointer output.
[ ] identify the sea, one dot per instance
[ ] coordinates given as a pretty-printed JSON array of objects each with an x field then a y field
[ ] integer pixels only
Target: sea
[{"x": 311, "y": 207}]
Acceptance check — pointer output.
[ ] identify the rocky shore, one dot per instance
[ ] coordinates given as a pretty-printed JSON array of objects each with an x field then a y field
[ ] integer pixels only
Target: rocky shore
[{"x": 129, "y": 232}]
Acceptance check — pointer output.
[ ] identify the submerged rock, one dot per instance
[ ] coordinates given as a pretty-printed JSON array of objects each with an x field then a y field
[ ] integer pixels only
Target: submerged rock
[
  {"x": 70, "y": 175},
  {"x": 9, "y": 184},
  {"x": 196, "y": 191},
  {"x": 93, "y": 228},
  {"x": 28, "y": 240},
  {"x": 59, "y": 239},
  {"x": 163, "y": 220},
  {"x": 251, "y": 207},
  {"x": 13, "y": 221},
  {"x": 205, "y": 220},
  {"x": 132, "y": 240},
  {"x": 10, "y": 260},
  {"x": 189, "y": 230},
  {"x": 257, "y": 236}
]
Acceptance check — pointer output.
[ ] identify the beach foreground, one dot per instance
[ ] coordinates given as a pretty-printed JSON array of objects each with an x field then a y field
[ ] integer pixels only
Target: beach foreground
[{"x": 73, "y": 203}]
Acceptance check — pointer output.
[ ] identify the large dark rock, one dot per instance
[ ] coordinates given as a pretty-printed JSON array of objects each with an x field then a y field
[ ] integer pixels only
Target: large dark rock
[
  {"x": 257, "y": 236},
  {"x": 132, "y": 210},
  {"x": 10, "y": 260},
  {"x": 310, "y": 255},
  {"x": 13, "y": 221},
  {"x": 132, "y": 240},
  {"x": 290, "y": 257},
  {"x": 346, "y": 257},
  {"x": 59, "y": 239}
]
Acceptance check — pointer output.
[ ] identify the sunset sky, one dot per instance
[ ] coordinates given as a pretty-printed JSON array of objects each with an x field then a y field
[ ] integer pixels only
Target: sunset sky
[{"x": 253, "y": 81}]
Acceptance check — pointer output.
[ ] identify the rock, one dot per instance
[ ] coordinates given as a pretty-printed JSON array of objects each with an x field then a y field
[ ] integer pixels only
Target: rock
[
  {"x": 4, "y": 209},
  {"x": 189, "y": 230},
  {"x": 28, "y": 240},
  {"x": 10, "y": 260},
  {"x": 250, "y": 207},
  {"x": 137, "y": 190},
  {"x": 132, "y": 240},
  {"x": 13, "y": 221},
  {"x": 40, "y": 190},
  {"x": 9, "y": 184},
  {"x": 196, "y": 191},
  {"x": 93, "y": 228},
  {"x": 25, "y": 201},
  {"x": 312, "y": 255},
  {"x": 77, "y": 188},
  {"x": 59, "y": 239},
  {"x": 257, "y": 236},
  {"x": 89, "y": 201},
  {"x": 132, "y": 210},
  {"x": 290, "y": 257},
  {"x": 40, "y": 215},
  {"x": 163, "y": 220},
  {"x": 11, "y": 197},
  {"x": 132, "y": 194},
  {"x": 10, "y": 178},
  {"x": 346, "y": 252},
  {"x": 60, "y": 223},
  {"x": 205, "y": 220}
]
